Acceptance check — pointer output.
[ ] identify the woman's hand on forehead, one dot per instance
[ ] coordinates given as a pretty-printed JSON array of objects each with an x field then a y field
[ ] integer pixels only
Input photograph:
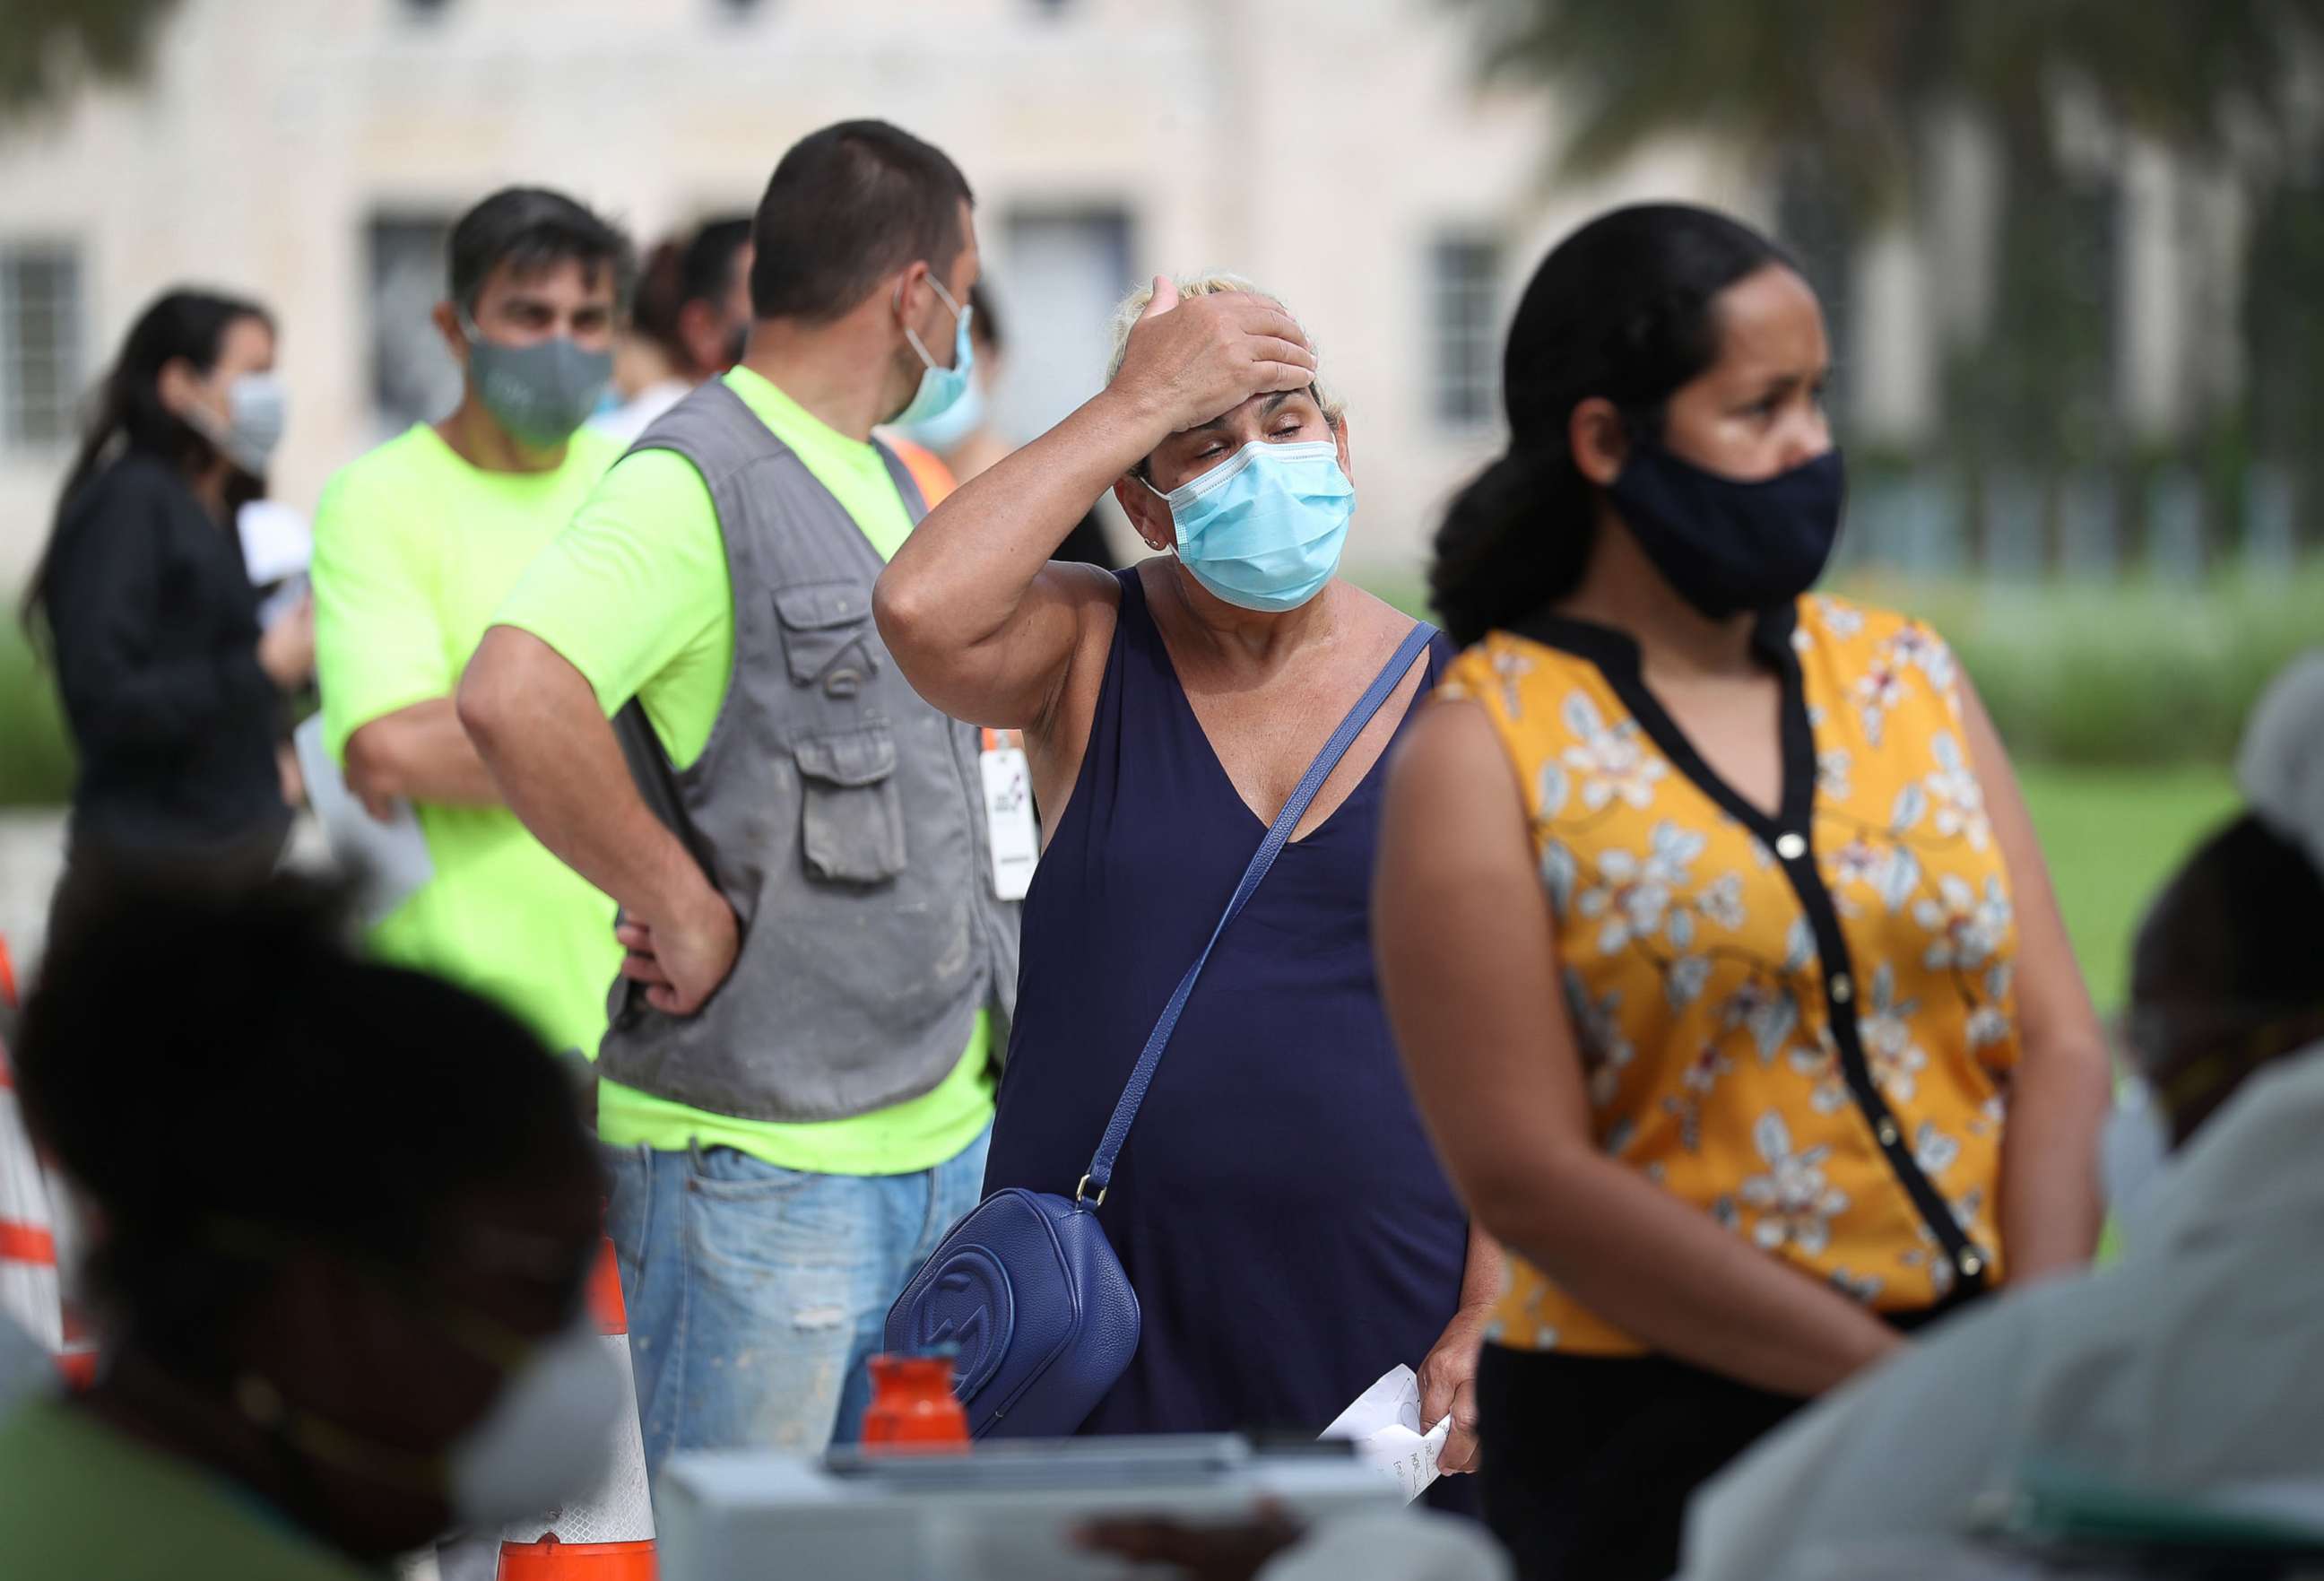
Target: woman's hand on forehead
[{"x": 1189, "y": 361}]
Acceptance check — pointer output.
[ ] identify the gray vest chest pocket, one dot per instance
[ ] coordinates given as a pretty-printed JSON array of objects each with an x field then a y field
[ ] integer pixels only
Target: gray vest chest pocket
[
  {"x": 851, "y": 817},
  {"x": 823, "y": 626}
]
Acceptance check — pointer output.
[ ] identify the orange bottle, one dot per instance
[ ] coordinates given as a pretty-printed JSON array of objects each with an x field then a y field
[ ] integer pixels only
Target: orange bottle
[{"x": 913, "y": 1406}]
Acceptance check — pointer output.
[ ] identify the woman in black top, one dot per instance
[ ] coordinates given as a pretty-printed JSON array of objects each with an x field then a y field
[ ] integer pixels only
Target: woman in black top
[{"x": 173, "y": 695}]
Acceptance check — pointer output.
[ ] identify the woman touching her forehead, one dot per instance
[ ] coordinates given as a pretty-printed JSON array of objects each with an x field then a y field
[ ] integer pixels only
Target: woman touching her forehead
[{"x": 1277, "y": 1207}]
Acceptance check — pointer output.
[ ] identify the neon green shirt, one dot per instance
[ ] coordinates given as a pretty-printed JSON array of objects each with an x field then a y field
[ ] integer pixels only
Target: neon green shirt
[
  {"x": 414, "y": 549},
  {"x": 80, "y": 1498},
  {"x": 635, "y": 595}
]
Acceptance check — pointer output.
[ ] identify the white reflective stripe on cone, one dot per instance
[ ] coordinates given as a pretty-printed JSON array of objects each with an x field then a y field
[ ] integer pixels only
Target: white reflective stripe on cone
[
  {"x": 29, "y": 1292},
  {"x": 618, "y": 1510}
]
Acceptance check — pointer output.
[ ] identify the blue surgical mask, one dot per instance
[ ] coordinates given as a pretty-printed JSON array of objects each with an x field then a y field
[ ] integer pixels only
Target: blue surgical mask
[
  {"x": 941, "y": 388},
  {"x": 1264, "y": 529},
  {"x": 943, "y": 432},
  {"x": 255, "y": 406}
]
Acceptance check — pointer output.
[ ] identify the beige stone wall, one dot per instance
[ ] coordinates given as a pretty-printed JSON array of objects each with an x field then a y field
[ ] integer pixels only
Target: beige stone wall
[{"x": 1315, "y": 144}]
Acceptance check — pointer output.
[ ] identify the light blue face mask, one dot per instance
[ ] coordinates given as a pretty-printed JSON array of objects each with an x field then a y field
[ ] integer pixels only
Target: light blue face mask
[
  {"x": 940, "y": 387},
  {"x": 256, "y": 407},
  {"x": 1264, "y": 529},
  {"x": 943, "y": 432}
]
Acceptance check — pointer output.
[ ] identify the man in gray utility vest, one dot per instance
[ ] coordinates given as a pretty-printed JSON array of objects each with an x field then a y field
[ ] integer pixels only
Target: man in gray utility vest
[{"x": 797, "y": 1087}]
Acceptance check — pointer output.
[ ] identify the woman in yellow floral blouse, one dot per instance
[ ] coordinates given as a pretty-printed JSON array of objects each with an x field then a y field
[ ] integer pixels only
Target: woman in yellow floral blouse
[{"x": 1710, "y": 921}]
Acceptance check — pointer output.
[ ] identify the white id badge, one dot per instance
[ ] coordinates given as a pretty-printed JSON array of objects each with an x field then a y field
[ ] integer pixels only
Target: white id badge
[{"x": 1016, "y": 837}]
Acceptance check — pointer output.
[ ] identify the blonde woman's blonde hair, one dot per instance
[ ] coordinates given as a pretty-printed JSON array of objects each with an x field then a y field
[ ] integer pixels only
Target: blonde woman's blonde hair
[{"x": 1211, "y": 283}]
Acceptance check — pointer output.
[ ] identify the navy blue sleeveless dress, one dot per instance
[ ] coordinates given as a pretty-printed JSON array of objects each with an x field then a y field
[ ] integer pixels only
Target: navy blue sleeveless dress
[{"x": 1277, "y": 1208}]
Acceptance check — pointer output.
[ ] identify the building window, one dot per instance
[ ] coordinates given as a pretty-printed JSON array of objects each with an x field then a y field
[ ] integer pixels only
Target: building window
[
  {"x": 413, "y": 378},
  {"x": 40, "y": 344},
  {"x": 1464, "y": 288},
  {"x": 1055, "y": 289}
]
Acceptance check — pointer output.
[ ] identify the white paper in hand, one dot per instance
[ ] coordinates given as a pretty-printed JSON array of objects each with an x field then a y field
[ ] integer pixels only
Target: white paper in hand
[
  {"x": 277, "y": 542},
  {"x": 389, "y": 859},
  {"x": 1384, "y": 1424}
]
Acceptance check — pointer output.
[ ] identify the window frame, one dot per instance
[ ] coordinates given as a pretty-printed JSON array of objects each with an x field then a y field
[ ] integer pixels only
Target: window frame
[
  {"x": 1464, "y": 269},
  {"x": 67, "y": 350}
]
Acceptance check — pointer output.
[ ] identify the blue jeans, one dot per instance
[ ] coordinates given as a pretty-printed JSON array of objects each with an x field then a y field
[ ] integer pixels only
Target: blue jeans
[{"x": 756, "y": 1294}]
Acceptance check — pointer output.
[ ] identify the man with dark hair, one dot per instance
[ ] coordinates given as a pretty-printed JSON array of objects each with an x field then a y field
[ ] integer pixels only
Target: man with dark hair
[
  {"x": 527, "y": 230},
  {"x": 415, "y": 546},
  {"x": 690, "y": 322},
  {"x": 848, "y": 207},
  {"x": 346, "y": 1223},
  {"x": 798, "y": 1084}
]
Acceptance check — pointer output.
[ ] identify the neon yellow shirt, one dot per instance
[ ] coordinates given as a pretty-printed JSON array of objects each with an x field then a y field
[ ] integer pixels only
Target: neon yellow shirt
[
  {"x": 79, "y": 1497},
  {"x": 635, "y": 595},
  {"x": 414, "y": 549}
]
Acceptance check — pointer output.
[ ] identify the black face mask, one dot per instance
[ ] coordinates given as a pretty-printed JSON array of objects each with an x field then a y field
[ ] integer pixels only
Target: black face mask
[
  {"x": 738, "y": 343},
  {"x": 1728, "y": 546}
]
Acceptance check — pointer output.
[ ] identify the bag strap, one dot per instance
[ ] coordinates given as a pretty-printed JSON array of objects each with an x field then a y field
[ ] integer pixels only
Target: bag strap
[{"x": 1092, "y": 1189}]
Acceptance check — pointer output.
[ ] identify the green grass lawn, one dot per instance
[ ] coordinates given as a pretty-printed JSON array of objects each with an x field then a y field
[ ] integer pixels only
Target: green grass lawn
[
  {"x": 35, "y": 764},
  {"x": 2112, "y": 836}
]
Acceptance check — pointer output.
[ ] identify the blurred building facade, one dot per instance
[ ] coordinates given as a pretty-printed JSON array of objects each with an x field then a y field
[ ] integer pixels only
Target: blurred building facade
[{"x": 312, "y": 153}]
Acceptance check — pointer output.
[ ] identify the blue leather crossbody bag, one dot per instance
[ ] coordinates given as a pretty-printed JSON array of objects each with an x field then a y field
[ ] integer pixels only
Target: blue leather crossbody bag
[{"x": 1026, "y": 1289}]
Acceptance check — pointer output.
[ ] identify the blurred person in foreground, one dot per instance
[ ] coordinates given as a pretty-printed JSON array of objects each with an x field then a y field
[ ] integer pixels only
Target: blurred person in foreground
[
  {"x": 173, "y": 694},
  {"x": 795, "y": 1089},
  {"x": 2195, "y": 1364},
  {"x": 690, "y": 320},
  {"x": 967, "y": 440},
  {"x": 416, "y": 543},
  {"x": 327, "y": 1338},
  {"x": 1376, "y": 1545},
  {"x": 1715, "y": 932},
  {"x": 1277, "y": 1209}
]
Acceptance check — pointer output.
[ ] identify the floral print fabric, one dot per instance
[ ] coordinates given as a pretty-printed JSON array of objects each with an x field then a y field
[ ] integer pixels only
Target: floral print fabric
[{"x": 1707, "y": 1005}]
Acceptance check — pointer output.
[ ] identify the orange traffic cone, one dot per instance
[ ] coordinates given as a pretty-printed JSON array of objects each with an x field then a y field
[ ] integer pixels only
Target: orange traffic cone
[
  {"x": 31, "y": 1282},
  {"x": 29, "y": 1291},
  {"x": 608, "y": 1536}
]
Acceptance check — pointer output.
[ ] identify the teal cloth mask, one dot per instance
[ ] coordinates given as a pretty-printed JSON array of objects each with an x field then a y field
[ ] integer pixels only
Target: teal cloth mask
[
  {"x": 1264, "y": 529},
  {"x": 941, "y": 388},
  {"x": 540, "y": 392}
]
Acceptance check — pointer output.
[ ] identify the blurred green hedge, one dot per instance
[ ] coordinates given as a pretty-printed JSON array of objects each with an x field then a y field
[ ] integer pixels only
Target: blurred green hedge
[
  {"x": 36, "y": 764},
  {"x": 2131, "y": 674},
  {"x": 2128, "y": 674}
]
